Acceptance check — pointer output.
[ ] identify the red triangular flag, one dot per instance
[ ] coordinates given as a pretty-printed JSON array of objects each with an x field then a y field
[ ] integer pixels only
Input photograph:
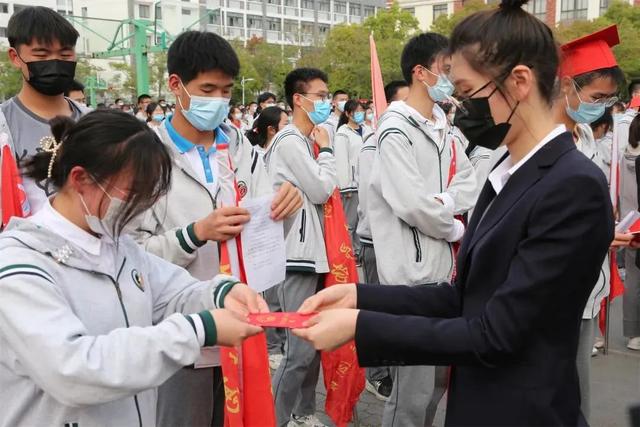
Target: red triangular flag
[
  {"x": 616, "y": 289},
  {"x": 14, "y": 198}
]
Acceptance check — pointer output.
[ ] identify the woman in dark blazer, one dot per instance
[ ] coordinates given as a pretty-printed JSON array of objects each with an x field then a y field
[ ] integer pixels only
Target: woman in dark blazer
[{"x": 533, "y": 249}]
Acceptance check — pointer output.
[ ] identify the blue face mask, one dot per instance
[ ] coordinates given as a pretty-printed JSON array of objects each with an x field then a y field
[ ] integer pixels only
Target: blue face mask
[
  {"x": 442, "y": 90},
  {"x": 205, "y": 113},
  {"x": 370, "y": 117},
  {"x": 358, "y": 117},
  {"x": 587, "y": 112},
  {"x": 341, "y": 105},
  {"x": 158, "y": 117},
  {"x": 321, "y": 111}
]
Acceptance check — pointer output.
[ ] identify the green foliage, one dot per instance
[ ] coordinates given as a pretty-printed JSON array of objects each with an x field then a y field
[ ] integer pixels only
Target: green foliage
[
  {"x": 445, "y": 24},
  {"x": 10, "y": 77}
]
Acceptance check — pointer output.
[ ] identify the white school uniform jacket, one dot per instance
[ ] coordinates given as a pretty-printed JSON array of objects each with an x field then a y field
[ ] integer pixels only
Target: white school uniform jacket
[
  {"x": 365, "y": 164},
  {"x": 167, "y": 228},
  {"x": 409, "y": 226},
  {"x": 346, "y": 149},
  {"x": 290, "y": 158},
  {"x": 88, "y": 331},
  {"x": 586, "y": 143}
]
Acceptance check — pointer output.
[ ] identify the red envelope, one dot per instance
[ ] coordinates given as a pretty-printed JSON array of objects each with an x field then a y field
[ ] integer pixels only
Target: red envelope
[
  {"x": 280, "y": 320},
  {"x": 635, "y": 228}
]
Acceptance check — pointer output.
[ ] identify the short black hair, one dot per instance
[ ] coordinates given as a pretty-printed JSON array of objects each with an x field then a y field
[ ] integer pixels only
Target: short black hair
[
  {"x": 613, "y": 73},
  {"x": 421, "y": 50},
  {"x": 605, "y": 119},
  {"x": 75, "y": 85},
  {"x": 339, "y": 92},
  {"x": 298, "y": 80},
  {"x": 195, "y": 52},
  {"x": 41, "y": 24},
  {"x": 263, "y": 97},
  {"x": 391, "y": 89},
  {"x": 633, "y": 86},
  {"x": 143, "y": 97}
]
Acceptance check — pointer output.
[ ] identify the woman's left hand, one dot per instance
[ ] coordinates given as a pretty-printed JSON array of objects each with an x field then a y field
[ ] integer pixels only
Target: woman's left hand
[
  {"x": 623, "y": 240},
  {"x": 243, "y": 300},
  {"x": 330, "y": 329}
]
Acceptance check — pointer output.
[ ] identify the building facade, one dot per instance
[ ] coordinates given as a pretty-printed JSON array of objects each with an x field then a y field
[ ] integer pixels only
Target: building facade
[{"x": 8, "y": 8}]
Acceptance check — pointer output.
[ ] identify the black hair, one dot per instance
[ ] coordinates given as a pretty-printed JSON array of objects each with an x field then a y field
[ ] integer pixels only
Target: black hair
[
  {"x": 613, "y": 73},
  {"x": 251, "y": 103},
  {"x": 349, "y": 107},
  {"x": 118, "y": 99},
  {"x": 259, "y": 132},
  {"x": 494, "y": 41},
  {"x": 75, "y": 85},
  {"x": 231, "y": 109},
  {"x": 298, "y": 80},
  {"x": 101, "y": 106},
  {"x": 143, "y": 97},
  {"x": 151, "y": 108},
  {"x": 421, "y": 50},
  {"x": 634, "y": 85},
  {"x": 105, "y": 143},
  {"x": 446, "y": 106},
  {"x": 195, "y": 52},
  {"x": 41, "y": 24},
  {"x": 619, "y": 105},
  {"x": 391, "y": 89},
  {"x": 339, "y": 92},
  {"x": 634, "y": 132},
  {"x": 605, "y": 119},
  {"x": 264, "y": 97}
]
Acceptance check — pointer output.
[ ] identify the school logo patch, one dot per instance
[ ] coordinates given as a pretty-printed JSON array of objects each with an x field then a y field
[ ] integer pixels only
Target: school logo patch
[
  {"x": 242, "y": 189},
  {"x": 137, "y": 279}
]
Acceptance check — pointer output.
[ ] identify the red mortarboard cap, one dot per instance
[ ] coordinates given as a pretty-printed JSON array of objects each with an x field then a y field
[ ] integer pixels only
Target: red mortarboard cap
[
  {"x": 635, "y": 102},
  {"x": 589, "y": 53}
]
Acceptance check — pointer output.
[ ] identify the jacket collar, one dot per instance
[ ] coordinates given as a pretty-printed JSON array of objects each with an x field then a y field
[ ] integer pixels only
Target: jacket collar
[{"x": 491, "y": 209}]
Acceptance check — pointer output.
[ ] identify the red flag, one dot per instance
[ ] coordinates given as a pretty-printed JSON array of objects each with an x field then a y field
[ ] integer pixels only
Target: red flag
[
  {"x": 377, "y": 85},
  {"x": 343, "y": 377},
  {"x": 246, "y": 375},
  {"x": 14, "y": 198}
]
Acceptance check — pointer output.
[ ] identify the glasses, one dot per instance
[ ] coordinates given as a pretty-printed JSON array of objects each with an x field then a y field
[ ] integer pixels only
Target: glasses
[
  {"x": 606, "y": 101},
  {"x": 323, "y": 96}
]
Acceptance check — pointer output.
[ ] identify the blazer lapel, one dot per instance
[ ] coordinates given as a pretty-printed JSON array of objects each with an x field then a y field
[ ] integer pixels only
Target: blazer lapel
[{"x": 517, "y": 185}]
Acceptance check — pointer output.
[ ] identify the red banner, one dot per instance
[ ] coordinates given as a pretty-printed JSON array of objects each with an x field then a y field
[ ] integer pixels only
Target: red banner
[
  {"x": 343, "y": 377},
  {"x": 14, "y": 199},
  {"x": 245, "y": 370},
  {"x": 615, "y": 290}
]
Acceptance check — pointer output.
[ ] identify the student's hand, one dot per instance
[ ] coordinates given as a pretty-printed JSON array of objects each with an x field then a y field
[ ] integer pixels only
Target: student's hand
[
  {"x": 287, "y": 201},
  {"x": 622, "y": 240},
  {"x": 321, "y": 137},
  {"x": 231, "y": 328},
  {"x": 336, "y": 296},
  {"x": 243, "y": 300},
  {"x": 330, "y": 329},
  {"x": 222, "y": 224}
]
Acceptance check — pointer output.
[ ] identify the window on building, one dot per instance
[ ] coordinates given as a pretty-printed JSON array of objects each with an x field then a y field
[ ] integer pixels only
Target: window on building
[
  {"x": 573, "y": 10},
  {"x": 186, "y": 11},
  {"x": 537, "y": 8},
  {"x": 144, "y": 11},
  {"x": 61, "y": 11},
  {"x": 324, "y": 6},
  {"x": 291, "y": 3},
  {"x": 3, "y": 31},
  {"x": 4, "y": 8},
  {"x": 290, "y": 26},
  {"x": 84, "y": 12},
  {"x": 340, "y": 7},
  {"x": 254, "y": 21},
  {"x": 306, "y": 28},
  {"x": 158, "y": 12},
  {"x": 355, "y": 9},
  {"x": 440, "y": 10},
  {"x": 411, "y": 10},
  {"x": 214, "y": 17},
  {"x": 234, "y": 20},
  {"x": 368, "y": 11},
  {"x": 274, "y": 25},
  {"x": 323, "y": 29},
  {"x": 604, "y": 6},
  {"x": 18, "y": 7},
  {"x": 277, "y": 2},
  {"x": 307, "y": 4}
]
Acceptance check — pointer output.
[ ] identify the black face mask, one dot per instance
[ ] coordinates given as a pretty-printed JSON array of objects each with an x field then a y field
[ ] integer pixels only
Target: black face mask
[
  {"x": 51, "y": 77},
  {"x": 476, "y": 123}
]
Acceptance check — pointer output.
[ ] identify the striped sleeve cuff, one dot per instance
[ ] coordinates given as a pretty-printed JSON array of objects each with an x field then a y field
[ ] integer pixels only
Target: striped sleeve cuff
[
  {"x": 326, "y": 150},
  {"x": 204, "y": 327},
  {"x": 224, "y": 286},
  {"x": 188, "y": 240}
]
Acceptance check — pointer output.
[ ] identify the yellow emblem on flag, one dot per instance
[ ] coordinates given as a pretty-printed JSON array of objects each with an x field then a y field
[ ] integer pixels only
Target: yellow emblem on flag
[
  {"x": 346, "y": 251},
  {"x": 232, "y": 398},
  {"x": 340, "y": 273},
  {"x": 225, "y": 268}
]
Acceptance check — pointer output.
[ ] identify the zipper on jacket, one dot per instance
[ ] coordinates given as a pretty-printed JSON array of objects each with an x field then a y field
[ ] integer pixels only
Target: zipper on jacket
[
  {"x": 303, "y": 224},
  {"x": 416, "y": 242},
  {"x": 126, "y": 321},
  {"x": 213, "y": 200}
]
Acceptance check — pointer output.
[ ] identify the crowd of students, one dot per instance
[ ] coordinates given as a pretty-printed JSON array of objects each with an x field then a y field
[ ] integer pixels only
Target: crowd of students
[{"x": 487, "y": 169}]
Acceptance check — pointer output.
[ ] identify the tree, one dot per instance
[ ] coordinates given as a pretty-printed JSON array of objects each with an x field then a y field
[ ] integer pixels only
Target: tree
[
  {"x": 445, "y": 23},
  {"x": 10, "y": 76},
  {"x": 158, "y": 73}
]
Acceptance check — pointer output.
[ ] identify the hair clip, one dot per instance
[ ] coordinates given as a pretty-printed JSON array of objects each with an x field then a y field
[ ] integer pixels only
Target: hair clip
[{"x": 50, "y": 145}]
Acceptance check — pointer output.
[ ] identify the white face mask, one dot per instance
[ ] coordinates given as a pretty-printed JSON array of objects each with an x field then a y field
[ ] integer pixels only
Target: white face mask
[
  {"x": 238, "y": 116},
  {"x": 105, "y": 226}
]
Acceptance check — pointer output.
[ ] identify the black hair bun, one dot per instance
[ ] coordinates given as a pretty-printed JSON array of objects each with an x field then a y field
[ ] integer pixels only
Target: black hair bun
[
  {"x": 512, "y": 4},
  {"x": 60, "y": 125}
]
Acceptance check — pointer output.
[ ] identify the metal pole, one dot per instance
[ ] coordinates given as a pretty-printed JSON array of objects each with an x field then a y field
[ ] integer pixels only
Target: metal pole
[
  {"x": 242, "y": 84},
  {"x": 141, "y": 58}
]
